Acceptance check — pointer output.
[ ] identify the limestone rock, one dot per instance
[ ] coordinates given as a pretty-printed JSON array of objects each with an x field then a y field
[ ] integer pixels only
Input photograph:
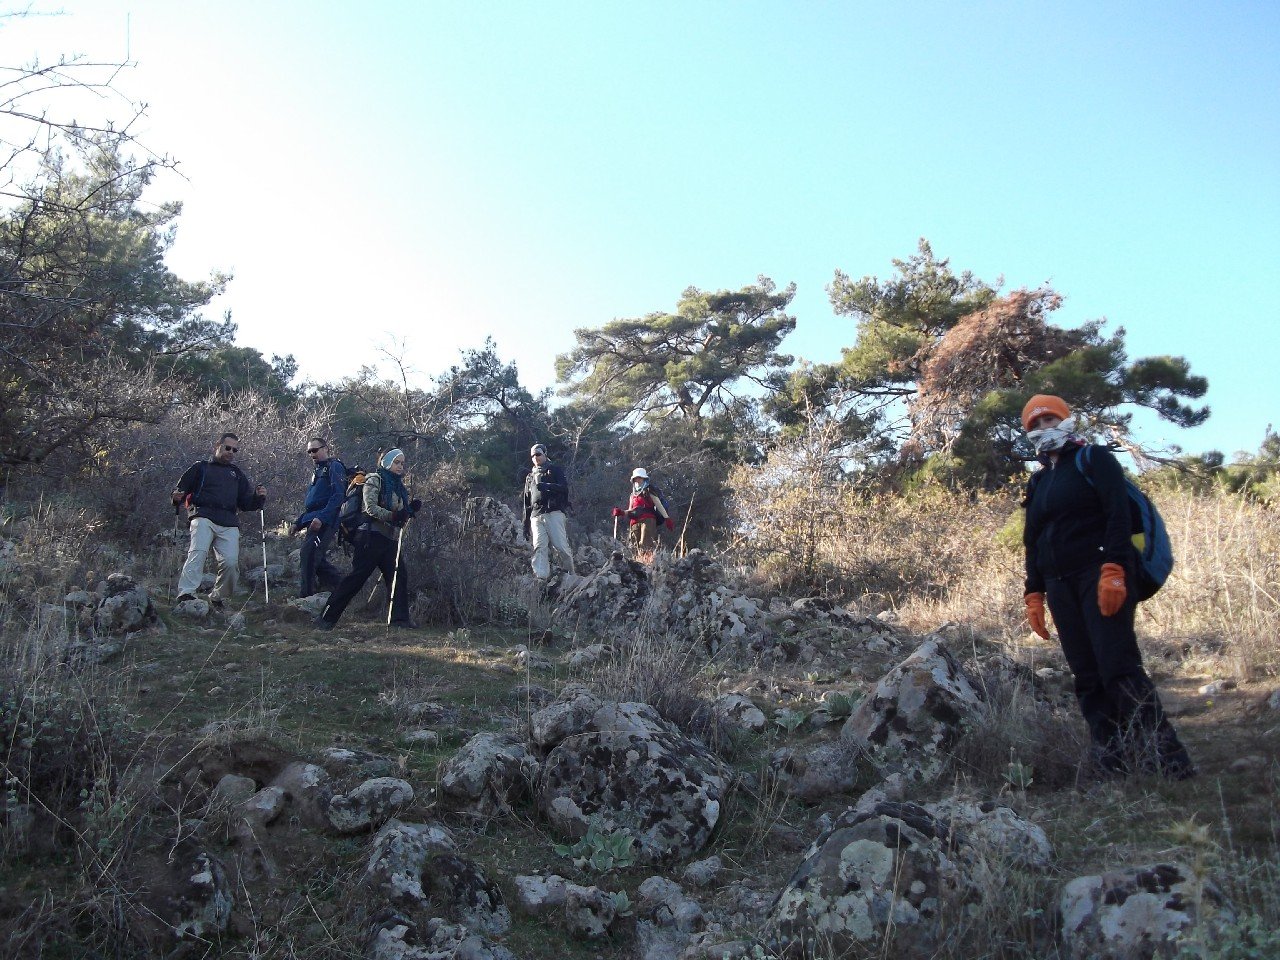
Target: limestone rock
[
  {"x": 233, "y": 789},
  {"x": 489, "y": 774},
  {"x": 664, "y": 790},
  {"x": 893, "y": 865},
  {"x": 197, "y": 897},
  {"x": 394, "y": 936},
  {"x": 537, "y": 896},
  {"x": 194, "y": 609},
  {"x": 589, "y": 912},
  {"x": 1134, "y": 914},
  {"x": 461, "y": 889},
  {"x": 307, "y": 787},
  {"x": 738, "y": 711},
  {"x": 915, "y": 713},
  {"x": 125, "y": 607},
  {"x": 998, "y": 831},
  {"x": 399, "y": 859},
  {"x": 827, "y": 769},
  {"x": 369, "y": 805},
  {"x": 363, "y": 762}
]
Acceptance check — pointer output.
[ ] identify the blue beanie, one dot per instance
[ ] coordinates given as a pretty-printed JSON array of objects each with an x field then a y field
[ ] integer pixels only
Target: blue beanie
[{"x": 389, "y": 457}]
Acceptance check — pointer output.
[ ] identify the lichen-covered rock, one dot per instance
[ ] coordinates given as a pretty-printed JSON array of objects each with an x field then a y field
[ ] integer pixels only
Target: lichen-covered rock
[
  {"x": 662, "y": 789},
  {"x": 892, "y": 866},
  {"x": 666, "y": 919},
  {"x": 363, "y": 762},
  {"x": 1134, "y": 914},
  {"x": 738, "y": 711},
  {"x": 233, "y": 789},
  {"x": 703, "y": 873},
  {"x": 570, "y": 715},
  {"x": 488, "y": 775},
  {"x": 498, "y": 522},
  {"x": 369, "y": 805},
  {"x": 308, "y": 789},
  {"x": 304, "y": 609},
  {"x": 197, "y": 897},
  {"x": 393, "y": 936},
  {"x": 589, "y": 912},
  {"x": 399, "y": 859},
  {"x": 264, "y": 807},
  {"x": 193, "y": 609},
  {"x": 125, "y": 607},
  {"x": 827, "y": 769},
  {"x": 997, "y": 831},
  {"x": 465, "y": 895},
  {"x": 537, "y": 895},
  {"x": 915, "y": 714}
]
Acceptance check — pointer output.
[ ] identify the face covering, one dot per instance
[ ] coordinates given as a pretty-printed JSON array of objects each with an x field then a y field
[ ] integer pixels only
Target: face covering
[{"x": 1052, "y": 438}]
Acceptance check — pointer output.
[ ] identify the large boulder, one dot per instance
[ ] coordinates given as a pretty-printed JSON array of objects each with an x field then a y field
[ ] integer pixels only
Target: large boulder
[
  {"x": 998, "y": 832},
  {"x": 890, "y": 870},
  {"x": 1134, "y": 914},
  {"x": 125, "y": 607},
  {"x": 498, "y": 523},
  {"x": 489, "y": 774},
  {"x": 369, "y": 805},
  {"x": 399, "y": 860},
  {"x": 662, "y": 789},
  {"x": 915, "y": 713}
]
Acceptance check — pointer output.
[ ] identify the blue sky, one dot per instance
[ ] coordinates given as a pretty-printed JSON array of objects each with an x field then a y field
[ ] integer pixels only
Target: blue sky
[{"x": 442, "y": 172}]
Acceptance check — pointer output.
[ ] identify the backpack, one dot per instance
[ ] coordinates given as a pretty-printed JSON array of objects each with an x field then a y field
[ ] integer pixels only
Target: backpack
[
  {"x": 351, "y": 514},
  {"x": 1151, "y": 541},
  {"x": 655, "y": 491}
]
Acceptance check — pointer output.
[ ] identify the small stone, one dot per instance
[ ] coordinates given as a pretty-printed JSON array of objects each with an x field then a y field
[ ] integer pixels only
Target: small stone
[
  {"x": 1248, "y": 764},
  {"x": 216, "y": 691},
  {"x": 234, "y": 789},
  {"x": 422, "y": 738},
  {"x": 1216, "y": 688}
]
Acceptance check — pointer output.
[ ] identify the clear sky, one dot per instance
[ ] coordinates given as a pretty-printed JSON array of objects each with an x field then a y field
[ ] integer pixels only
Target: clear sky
[{"x": 440, "y": 172}]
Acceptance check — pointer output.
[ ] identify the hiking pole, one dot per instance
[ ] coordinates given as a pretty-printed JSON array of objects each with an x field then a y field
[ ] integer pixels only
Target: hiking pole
[
  {"x": 615, "y": 526},
  {"x": 395, "y": 575},
  {"x": 266, "y": 586},
  {"x": 687, "y": 514}
]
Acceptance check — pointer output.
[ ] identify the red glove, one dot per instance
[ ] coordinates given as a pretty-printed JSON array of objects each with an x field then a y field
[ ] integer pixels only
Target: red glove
[
  {"x": 618, "y": 512},
  {"x": 669, "y": 523},
  {"x": 1111, "y": 589},
  {"x": 1035, "y": 614}
]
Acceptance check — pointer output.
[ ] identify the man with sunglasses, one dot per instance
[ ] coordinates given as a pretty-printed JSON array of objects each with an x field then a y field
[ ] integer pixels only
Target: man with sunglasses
[
  {"x": 546, "y": 498},
  {"x": 319, "y": 521},
  {"x": 212, "y": 491}
]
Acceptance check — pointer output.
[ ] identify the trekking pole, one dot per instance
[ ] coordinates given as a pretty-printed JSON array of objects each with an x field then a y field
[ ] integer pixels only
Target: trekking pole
[
  {"x": 266, "y": 586},
  {"x": 615, "y": 526},
  {"x": 395, "y": 575},
  {"x": 687, "y": 514},
  {"x": 376, "y": 582}
]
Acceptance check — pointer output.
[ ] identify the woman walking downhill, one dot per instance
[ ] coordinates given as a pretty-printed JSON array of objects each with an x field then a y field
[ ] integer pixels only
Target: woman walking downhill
[
  {"x": 645, "y": 510},
  {"x": 1081, "y": 561},
  {"x": 387, "y": 508}
]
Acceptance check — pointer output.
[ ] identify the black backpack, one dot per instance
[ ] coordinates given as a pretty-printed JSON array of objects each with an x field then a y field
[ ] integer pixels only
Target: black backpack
[{"x": 351, "y": 515}]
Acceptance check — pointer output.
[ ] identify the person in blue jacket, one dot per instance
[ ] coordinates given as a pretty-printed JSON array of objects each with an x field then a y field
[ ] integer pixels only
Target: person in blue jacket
[
  {"x": 319, "y": 521},
  {"x": 1081, "y": 562}
]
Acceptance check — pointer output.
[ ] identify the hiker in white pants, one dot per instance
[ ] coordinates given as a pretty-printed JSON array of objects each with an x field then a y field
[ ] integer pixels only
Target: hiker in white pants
[{"x": 546, "y": 497}]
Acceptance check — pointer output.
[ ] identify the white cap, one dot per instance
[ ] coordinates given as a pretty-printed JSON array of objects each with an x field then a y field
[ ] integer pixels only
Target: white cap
[
  {"x": 640, "y": 472},
  {"x": 537, "y": 448}
]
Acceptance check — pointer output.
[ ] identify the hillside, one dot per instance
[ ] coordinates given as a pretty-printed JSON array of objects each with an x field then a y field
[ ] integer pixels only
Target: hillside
[{"x": 665, "y": 761}]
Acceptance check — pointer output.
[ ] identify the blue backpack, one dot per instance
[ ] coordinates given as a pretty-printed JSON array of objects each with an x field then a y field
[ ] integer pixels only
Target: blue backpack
[{"x": 1150, "y": 539}]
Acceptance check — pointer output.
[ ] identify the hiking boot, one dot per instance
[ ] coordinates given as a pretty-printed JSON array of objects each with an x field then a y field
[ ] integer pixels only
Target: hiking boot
[
  {"x": 183, "y": 598},
  {"x": 323, "y": 624},
  {"x": 216, "y": 602},
  {"x": 404, "y": 625}
]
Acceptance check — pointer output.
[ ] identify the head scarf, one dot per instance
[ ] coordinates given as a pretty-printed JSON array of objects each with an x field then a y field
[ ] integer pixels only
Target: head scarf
[{"x": 391, "y": 484}]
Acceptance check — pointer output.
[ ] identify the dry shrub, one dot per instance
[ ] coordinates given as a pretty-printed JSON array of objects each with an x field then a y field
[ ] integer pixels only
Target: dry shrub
[
  {"x": 1225, "y": 586},
  {"x": 936, "y": 555}
]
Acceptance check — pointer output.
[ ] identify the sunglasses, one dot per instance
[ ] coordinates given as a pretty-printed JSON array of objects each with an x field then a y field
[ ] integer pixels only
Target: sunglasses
[
  {"x": 537, "y": 455},
  {"x": 230, "y": 449}
]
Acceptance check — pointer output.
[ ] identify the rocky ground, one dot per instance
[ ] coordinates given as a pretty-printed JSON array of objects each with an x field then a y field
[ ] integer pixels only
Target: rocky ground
[{"x": 668, "y": 766}]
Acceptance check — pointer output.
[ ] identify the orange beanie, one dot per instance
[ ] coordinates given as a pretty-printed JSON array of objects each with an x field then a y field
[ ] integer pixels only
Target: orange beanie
[{"x": 1041, "y": 404}]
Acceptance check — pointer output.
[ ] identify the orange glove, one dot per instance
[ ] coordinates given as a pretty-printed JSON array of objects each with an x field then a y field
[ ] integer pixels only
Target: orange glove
[
  {"x": 1111, "y": 589},
  {"x": 1035, "y": 614}
]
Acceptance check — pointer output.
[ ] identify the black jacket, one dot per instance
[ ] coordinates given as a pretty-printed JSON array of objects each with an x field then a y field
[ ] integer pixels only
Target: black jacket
[
  {"x": 1072, "y": 525},
  {"x": 545, "y": 491},
  {"x": 217, "y": 491}
]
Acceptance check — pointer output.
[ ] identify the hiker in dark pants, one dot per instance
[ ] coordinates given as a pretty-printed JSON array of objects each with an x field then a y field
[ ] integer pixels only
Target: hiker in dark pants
[
  {"x": 387, "y": 508},
  {"x": 1080, "y": 559},
  {"x": 319, "y": 521},
  {"x": 212, "y": 491}
]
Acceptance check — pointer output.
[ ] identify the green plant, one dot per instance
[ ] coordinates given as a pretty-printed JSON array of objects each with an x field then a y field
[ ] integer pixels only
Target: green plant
[
  {"x": 840, "y": 705},
  {"x": 790, "y": 720},
  {"x": 1019, "y": 775},
  {"x": 1247, "y": 938},
  {"x": 600, "y": 850}
]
